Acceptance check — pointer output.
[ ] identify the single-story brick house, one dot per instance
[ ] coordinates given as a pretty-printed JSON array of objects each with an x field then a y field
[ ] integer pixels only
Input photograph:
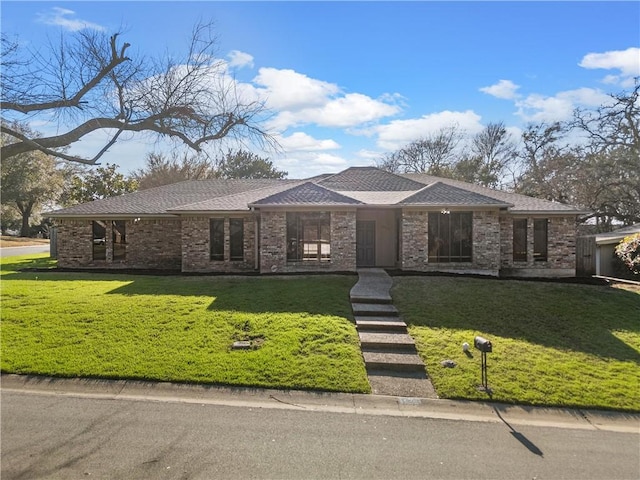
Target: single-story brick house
[{"x": 360, "y": 217}]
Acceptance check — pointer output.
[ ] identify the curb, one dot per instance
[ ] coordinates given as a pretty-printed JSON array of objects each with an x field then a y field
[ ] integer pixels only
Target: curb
[{"x": 347, "y": 403}]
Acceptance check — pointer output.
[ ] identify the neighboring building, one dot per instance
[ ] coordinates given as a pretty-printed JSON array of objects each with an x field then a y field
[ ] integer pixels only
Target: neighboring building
[
  {"x": 361, "y": 217},
  {"x": 606, "y": 261}
]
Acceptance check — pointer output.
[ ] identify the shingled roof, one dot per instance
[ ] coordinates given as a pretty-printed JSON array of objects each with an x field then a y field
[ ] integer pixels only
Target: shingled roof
[
  {"x": 355, "y": 186},
  {"x": 369, "y": 179},
  {"x": 159, "y": 200},
  {"x": 307, "y": 194},
  {"x": 442, "y": 194},
  {"x": 520, "y": 204}
]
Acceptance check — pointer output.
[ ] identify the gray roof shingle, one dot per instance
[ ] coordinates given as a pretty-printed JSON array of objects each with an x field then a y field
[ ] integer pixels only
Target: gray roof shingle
[
  {"x": 520, "y": 203},
  {"x": 158, "y": 200},
  {"x": 369, "y": 179},
  {"x": 307, "y": 194},
  {"x": 442, "y": 194}
]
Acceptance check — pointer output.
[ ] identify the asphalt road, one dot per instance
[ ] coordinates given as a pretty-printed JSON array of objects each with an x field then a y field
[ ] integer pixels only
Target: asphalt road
[
  {"x": 59, "y": 436},
  {"x": 14, "y": 251}
]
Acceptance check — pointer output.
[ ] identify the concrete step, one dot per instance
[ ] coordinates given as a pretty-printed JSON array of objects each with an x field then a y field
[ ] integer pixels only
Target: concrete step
[
  {"x": 401, "y": 362},
  {"x": 374, "y": 310},
  {"x": 387, "y": 341},
  {"x": 380, "y": 324},
  {"x": 376, "y": 300}
]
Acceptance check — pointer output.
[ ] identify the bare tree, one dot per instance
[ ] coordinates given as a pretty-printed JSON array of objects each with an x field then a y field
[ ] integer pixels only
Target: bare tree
[
  {"x": 433, "y": 154},
  {"x": 90, "y": 82},
  {"x": 161, "y": 170},
  {"x": 492, "y": 150}
]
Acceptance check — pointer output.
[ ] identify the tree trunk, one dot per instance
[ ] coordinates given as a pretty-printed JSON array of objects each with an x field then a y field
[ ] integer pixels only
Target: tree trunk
[{"x": 25, "y": 211}]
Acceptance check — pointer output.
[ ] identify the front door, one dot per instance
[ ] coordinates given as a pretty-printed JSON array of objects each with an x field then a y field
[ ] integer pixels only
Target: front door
[{"x": 366, "y": 243}]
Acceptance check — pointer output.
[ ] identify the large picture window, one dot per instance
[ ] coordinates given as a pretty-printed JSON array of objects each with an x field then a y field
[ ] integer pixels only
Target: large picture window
[
  {"x": 540, "y": 240},
  {"x": 236, "y": 238},
  {"x": 520, "y": 240},
  {"x": 308, "y": 237},
  {"x": 99, "y": 245},
  {"x": 216, "y": 238},
  {"x": 450, "y": 237},
  {"x": 119, "y": 237}
]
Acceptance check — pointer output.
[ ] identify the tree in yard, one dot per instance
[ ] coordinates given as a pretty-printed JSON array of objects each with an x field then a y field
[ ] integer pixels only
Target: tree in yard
[
  {"x": 433, "y": 154},
  {"x": 103, "y": 182},
  {"x": 549, "y": 165},
  {"x": 91, "y": 82},
  {"x": 161, "y": 169},
  {"x": 628, "y": 250},
  {"x": 243, "y": 164},
  {"x": 30, "y": 181},
  {"x": 492, "y": 152},
  {"x": 609, "y": 181}
]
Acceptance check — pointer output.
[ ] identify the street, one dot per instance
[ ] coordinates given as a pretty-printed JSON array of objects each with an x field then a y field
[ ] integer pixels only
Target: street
[
  {"x": 30, "y": 250},
  {"x": 66, "y": 436}
]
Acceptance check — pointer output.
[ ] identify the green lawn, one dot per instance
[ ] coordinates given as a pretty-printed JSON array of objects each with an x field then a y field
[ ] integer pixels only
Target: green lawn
[
  {"x": 176, "y": 328},
  {"x": 553, "y": 344}
]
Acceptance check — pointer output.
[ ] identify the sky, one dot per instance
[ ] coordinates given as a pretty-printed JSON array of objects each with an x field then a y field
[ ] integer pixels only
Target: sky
[{"x": 347, "y": 82}]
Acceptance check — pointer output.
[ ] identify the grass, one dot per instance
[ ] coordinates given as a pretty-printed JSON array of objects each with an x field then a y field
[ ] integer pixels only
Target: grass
[
  {"x": 553, "y": 344},
  {"x": 175, "y": 328}
]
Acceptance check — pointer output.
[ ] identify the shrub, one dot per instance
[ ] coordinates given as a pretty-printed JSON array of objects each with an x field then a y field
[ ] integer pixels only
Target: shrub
[{"x": 628, "y": 250}]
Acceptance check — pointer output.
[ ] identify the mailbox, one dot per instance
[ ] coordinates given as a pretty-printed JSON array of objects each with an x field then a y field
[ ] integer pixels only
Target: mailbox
[{"x": 482, "y": 344}]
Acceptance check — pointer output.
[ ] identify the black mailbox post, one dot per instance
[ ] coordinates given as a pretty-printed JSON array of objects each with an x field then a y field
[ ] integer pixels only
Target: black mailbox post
[{"x": 485, "y": 347}]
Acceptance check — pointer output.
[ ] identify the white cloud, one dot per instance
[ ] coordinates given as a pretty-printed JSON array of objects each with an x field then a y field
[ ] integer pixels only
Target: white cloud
[
  {"x": 290, "y": 90},
  {"x": 240, "y": 59},
  {"x": 300, "y": 141},
  {"x": 540, "y": 108},
  {"x": 398, "y": 133},
  {"x": 627, "y": 61},
  {"x": 301, "y": 100},
  {"x": 309, "y": 164},
  {"x": 65, "y": 18},
  {"x": 503, "y": 89}
]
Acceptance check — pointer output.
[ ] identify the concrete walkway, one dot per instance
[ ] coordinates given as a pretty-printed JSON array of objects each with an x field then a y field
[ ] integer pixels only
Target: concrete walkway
[{"x": 393, "y": 364}]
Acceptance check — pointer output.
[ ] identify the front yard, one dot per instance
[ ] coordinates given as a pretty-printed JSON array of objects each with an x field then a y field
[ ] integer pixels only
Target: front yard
[
  {"x": 181, "y": 329},
  {"x": 553, "y": 344}
]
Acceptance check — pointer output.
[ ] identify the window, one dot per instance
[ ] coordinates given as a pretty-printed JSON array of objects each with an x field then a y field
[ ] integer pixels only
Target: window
[
  {"x": 540, "y": 240},
  {"x": 236, "y": 238},
  {"x": 216, "y": 238},
  {"x": 520, "y": 240},
  {"x": 119, "y": 237},
  {"x": 308, "y": 237},
  {"x": 99, "y": 240},
  {"x": 450, "y": 237}
]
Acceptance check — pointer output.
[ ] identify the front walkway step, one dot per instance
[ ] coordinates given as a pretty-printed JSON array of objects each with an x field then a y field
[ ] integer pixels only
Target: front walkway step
[
  {"x": 382, "y": 299},
  {"x": 387, "y": 341},
  {"x": 373, "y": 310},
  {"x": 379, "y": 324},
  {"x": 418, "y": 386},
  {"x": 404, "y": 362}
]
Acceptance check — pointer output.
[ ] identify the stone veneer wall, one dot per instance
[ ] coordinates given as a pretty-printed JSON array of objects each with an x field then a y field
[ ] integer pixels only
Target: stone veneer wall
[
  {"x": 561, "y": 249},
  {"x": 196, "y": 250},
  {"x": 151, "y": 243},
  {"x": 273, "y": 244},
  {"x": 486, "y": 244}
]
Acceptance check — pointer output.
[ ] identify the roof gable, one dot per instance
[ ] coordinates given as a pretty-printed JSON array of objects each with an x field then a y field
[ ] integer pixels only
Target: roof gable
[
  {"x": 307, "y": 194},
  {"x": 441, "y": 194},
  {"x": 369, "y": 179}
]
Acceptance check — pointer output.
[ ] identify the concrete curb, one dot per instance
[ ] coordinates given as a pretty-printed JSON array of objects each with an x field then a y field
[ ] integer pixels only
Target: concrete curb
[{"x": 510, "y": 415}]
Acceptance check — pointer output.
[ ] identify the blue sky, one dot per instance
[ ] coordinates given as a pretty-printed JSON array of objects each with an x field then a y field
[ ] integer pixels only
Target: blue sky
[{"x": 349, "y": 81}]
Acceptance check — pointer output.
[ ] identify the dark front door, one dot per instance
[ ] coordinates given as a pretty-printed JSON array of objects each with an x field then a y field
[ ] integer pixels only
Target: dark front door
[{"x": 366, "y": 243}]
